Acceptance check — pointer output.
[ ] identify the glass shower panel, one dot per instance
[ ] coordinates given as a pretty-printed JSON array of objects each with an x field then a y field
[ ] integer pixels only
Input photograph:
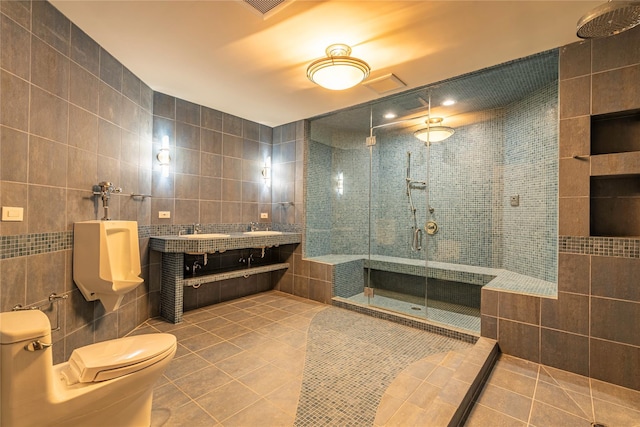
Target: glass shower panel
[{"x": 397, "y": 256}]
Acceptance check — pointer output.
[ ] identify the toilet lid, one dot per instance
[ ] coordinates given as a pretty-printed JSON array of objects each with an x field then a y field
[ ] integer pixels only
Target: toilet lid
[{"x": 111, "y": 359}]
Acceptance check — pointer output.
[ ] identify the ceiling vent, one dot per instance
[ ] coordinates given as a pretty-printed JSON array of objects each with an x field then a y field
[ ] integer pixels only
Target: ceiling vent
[
  {"x": 385, "y": 84},
  {"x": 267, "y": 8}
]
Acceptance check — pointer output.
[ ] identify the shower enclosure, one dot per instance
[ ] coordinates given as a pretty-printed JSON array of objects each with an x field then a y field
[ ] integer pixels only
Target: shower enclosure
[{"x": 418, "y": 227}]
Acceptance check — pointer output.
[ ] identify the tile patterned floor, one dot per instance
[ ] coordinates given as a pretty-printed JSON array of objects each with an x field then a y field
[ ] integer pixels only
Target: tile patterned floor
[
  {"x": 522, "y": 393},
  {"x": 269, "y": 359}
]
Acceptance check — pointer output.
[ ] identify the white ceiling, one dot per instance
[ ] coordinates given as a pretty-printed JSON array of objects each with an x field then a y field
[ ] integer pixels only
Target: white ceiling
[{"x": 225, "y": 55}]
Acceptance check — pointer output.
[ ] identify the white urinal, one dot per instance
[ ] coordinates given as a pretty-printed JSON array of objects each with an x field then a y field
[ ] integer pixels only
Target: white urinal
[{"x": 106, "y": 260}]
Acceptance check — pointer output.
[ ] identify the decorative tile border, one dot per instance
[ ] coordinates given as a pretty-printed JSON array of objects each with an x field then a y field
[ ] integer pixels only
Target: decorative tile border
[
  {"x": 604, "y": 246},
  {"x": 39, "y": 243},
  {"x": 34, "y": 244}
]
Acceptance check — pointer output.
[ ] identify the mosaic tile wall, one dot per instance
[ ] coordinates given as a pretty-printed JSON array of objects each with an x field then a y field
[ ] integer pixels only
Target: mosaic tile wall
[
  {"x": 462, "y": 179},
  {"x": 530, "y": 171},
  {"x": 318, "y": 221},
  {"x": 472, "y": 175}
]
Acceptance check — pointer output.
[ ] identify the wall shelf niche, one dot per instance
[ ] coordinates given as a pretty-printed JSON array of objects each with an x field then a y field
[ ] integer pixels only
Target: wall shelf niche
[{"x": 615, "y": 174}]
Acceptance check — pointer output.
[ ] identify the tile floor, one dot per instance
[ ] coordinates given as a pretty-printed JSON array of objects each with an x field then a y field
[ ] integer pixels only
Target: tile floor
[
  {"x": 242, "y": 363},
  {"x": 522, "y": 393}
]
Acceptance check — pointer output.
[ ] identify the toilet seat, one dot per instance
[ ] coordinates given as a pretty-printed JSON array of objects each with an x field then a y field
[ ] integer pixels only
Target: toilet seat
[{"x": 111, "y": 359}]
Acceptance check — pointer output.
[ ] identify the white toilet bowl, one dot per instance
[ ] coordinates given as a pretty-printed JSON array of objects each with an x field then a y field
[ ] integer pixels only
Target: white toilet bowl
[{"x": 105, "y": 384}]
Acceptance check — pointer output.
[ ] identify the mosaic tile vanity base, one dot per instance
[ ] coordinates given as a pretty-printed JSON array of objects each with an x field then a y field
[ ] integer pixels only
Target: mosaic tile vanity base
[{"x": 347, "y": 389}]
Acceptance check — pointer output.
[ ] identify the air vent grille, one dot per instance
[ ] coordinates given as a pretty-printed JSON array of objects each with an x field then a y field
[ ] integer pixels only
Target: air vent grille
[{"x": 264, "y": 6}]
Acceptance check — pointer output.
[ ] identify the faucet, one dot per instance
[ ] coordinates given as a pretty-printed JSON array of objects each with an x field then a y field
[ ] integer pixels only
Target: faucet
[
  {"x": 196, "y": 228},
  {"x": 248, "y": 260},
  {"x": 253, "y": 226},
  {"x": 196, "y": 267}
]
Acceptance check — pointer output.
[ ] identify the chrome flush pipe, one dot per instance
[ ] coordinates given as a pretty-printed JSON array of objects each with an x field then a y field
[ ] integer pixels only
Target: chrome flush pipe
[{"x": 104, "y": 191}]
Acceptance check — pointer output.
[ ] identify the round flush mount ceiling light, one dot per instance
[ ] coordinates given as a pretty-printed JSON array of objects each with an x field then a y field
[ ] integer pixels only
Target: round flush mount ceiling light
[
  {"x": 338, "y": 71},
  {"x": 434, "y": 132}
]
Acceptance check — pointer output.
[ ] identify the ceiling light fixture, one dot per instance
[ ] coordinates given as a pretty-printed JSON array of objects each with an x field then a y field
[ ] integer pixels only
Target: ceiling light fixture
[
  {"x": 448, "y": 102},
  {"x": 338, "y": 71},
  {"x": 433, "y": 133}
]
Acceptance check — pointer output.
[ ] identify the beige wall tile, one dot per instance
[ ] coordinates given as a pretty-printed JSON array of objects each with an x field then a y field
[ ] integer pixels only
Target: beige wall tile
[
  {"x": 615, "y": 277},
  {"x": 615, "y": 363},
  {"x": 573, "y": 216},
  {"x": 616, "y": 90},
  {"x": 575, "y": 59},
  {"x": 575, "y": 96}
]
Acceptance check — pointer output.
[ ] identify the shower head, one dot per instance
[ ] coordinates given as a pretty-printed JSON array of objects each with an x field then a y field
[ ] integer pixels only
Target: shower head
[{"x": 609, "y": 19}]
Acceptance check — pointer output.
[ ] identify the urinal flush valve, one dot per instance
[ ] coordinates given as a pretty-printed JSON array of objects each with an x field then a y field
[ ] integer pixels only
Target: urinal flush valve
[{"x": 104, "y": 190}]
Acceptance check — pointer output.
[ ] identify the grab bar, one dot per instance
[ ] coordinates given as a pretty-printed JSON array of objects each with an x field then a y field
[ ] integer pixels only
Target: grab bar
[
  {"x": 416, "y": 241},
  {"x": 53, "y": 298}
]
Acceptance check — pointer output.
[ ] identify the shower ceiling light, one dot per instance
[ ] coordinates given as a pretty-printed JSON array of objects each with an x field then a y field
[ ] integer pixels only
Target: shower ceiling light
[
  {"x": 338, "y": 71},
  {"x": 435, "y": 133}
]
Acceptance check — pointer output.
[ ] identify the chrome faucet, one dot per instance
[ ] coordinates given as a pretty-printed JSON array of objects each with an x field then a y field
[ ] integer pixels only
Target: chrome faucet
[
  {"x": 248, "y": 260},
  {"x": 196, "y": 228},
  {"x": 253, "y": 226},
  {"x": 196, "y": 267}
]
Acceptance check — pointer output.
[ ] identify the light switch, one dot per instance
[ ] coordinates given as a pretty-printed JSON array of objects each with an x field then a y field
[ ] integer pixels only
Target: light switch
[
  {"x": 264, "y": 215},
  {"x": 164, "y": 214},
  {"x": 10, "y": 213}
]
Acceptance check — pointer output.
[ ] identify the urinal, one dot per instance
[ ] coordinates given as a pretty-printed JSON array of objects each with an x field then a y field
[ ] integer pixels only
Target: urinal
[{"x": 106, "y": 260}]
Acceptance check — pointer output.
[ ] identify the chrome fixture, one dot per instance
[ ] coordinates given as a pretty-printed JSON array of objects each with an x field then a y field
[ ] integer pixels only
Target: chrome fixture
[
  {"x": 434, "y": 132},
  {"x": 196, "y": 228},
  {"x": 609, "y": 19},
  {"x": 338, "y": 71},
  {"x": 53, "y": 299},
  {"x": 104, "y": 190},
  {"x": 416, "y": 235},
  {"x": 196, "y": 267},
  {"x": 431, "y": 227},
  {"x": 253, "y": 226},
  {"x": 248, "y": 260}
]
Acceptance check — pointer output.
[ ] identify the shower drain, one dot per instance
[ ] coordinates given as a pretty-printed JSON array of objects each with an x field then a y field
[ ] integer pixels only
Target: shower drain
[{"x": 416, "y": 308}]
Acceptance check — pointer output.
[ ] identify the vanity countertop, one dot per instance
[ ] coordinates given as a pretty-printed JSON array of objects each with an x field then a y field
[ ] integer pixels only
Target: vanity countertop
[{"x": 217, "y": 242}]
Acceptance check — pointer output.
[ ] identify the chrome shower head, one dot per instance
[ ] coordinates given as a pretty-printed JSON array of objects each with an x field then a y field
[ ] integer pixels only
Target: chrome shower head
[{"x": 609, "y": 19}]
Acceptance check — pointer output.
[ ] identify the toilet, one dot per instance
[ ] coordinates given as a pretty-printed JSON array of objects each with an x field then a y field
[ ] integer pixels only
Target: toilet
[
  {"x": 106, "y": 260},
  {"x": 104, "y": 384}
]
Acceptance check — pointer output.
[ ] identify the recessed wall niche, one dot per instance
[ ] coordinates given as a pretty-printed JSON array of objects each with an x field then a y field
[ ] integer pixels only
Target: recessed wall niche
[{"x": 615, "y": 175}]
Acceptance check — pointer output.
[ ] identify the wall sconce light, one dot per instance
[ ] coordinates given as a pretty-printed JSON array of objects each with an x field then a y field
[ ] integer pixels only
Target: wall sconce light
[
  {"x": 340, "y": 187},
  {"x": 266, "y": 172},
  {"x": 163, "y": 156}
]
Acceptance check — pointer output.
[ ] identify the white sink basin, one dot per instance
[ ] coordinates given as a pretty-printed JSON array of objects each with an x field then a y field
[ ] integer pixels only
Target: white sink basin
[
  {"x": 206, "y": 236},
  {"x": 262, "y": 233}
]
